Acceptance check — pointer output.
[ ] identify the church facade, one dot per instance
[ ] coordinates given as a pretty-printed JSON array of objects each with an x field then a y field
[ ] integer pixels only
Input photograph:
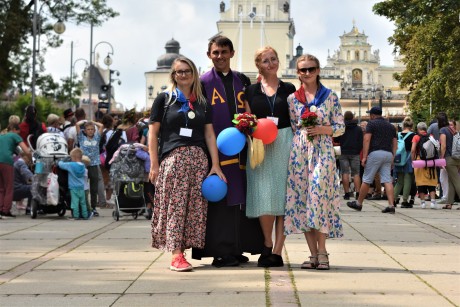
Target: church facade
[{"x": 353, "y": 71}]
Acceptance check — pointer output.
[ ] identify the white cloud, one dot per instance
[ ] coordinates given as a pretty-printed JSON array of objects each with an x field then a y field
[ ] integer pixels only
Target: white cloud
[{"x": 140, "y": 33}]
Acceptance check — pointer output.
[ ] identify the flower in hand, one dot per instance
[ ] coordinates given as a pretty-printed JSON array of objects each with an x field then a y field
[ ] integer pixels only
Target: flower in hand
[
  {"x": 245, "y": 122},
  {"x": 309, "y": 119}
]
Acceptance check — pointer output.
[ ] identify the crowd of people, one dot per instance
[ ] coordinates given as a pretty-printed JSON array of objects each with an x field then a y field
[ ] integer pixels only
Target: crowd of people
[
  {"x": 294, "y": 190},
  {"x": 387, "y": 157},
  {"x": 18, "y": 167}
]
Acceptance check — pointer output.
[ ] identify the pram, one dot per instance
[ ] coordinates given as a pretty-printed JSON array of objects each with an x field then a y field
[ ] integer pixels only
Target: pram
[
  {"x": 127, "y": 173},
  {"x": 51, "y": 148}
]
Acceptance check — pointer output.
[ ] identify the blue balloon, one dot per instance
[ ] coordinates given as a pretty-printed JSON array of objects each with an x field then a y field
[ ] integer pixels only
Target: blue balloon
[
  {"x": 213, "y": 188},
  {"x": 230, "y": 141}
]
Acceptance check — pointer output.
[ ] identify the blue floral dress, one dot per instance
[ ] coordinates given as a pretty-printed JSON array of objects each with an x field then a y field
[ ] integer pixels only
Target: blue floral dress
[{"x": 312, "y": 199}]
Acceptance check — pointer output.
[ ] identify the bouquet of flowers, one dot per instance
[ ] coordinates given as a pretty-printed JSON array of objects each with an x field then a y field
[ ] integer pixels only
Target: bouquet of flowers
[
  {"x": 245, "y": 122},
  {"x": 309, "y": 119}
]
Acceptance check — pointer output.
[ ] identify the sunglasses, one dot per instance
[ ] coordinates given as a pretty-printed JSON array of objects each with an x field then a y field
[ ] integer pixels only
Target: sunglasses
[{"x": 311, "y": 70}]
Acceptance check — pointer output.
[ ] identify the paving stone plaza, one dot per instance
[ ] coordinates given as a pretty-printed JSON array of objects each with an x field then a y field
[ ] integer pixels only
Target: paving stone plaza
[{"x": 411, "y": 258}]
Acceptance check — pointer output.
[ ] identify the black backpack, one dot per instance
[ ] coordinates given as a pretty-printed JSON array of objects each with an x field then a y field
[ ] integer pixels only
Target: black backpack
[{"x": 115, "y": 141}]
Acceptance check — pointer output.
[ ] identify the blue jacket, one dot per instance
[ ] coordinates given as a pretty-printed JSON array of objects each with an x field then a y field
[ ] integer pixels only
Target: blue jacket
[{"x": 76, "y": 174}]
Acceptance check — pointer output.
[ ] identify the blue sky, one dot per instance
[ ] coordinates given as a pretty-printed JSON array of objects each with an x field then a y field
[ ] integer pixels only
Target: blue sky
[{"x": 139, "y": 34}]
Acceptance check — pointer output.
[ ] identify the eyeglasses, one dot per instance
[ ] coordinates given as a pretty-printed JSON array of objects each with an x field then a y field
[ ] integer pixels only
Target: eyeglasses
[
  {"x": 304, "y": 70},
  {"x": 268, "y": 61},
  {"x": 186, "y": 72}
]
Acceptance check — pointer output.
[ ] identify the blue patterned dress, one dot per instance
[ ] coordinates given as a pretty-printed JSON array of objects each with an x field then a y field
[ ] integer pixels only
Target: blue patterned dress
[{"x": 312, "y": 200}]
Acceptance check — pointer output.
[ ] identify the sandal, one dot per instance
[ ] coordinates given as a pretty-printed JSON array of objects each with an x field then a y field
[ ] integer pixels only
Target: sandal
[
  {"x": 323, "y": 261},
  {"x": 448, "y": 207},
  {"x": 310, "y": 264}
]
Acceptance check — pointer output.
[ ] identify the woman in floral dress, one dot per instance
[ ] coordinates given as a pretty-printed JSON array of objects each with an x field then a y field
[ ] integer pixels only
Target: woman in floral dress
[
  {"x": 180, "y": 166},
  {"x": 312, "y": 201}
]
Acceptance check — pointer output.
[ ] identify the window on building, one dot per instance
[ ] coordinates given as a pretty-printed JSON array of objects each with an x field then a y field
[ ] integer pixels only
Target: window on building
[
  {"x": 267, "y": 11},
  {"x": 357, "y": 55},
  {"x": 348, "y": 55},
  {"x": 240, "y": 9},
  {"x": 365, "y": 55}
]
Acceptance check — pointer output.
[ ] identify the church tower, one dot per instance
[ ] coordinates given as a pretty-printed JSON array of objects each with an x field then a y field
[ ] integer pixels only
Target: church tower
[{"x": 252, "y": 24}]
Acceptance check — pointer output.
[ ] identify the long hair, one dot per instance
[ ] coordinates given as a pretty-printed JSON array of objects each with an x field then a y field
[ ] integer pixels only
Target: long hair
[
  {"x": 443, "y": 121},
  {"x": 196, "y": 85},
  {"x": 309, "y": 57}
]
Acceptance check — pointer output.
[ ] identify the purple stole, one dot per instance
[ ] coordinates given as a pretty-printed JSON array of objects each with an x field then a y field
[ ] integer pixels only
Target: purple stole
[{"x": 234, "y": 166}]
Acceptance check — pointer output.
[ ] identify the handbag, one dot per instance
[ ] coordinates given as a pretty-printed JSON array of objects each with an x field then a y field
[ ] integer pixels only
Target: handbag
[{"x": 134, "y": 190}]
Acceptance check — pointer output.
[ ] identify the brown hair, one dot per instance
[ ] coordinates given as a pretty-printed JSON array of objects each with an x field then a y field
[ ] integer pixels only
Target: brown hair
[{"x": 348, "y": 115}]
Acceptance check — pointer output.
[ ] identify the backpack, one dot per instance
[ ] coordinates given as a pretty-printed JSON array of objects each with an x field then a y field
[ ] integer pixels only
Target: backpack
[
  {"x": 103, "y": 141},
  {"x": 455, "y": 145},
  {"x": 402, "y": 155},
  {"x": 428, "y": 149},
  {"x": 113, "y": 144}
]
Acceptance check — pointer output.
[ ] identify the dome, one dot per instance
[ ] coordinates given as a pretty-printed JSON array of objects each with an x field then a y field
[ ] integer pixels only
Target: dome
[{"x": 172, "y": 52}]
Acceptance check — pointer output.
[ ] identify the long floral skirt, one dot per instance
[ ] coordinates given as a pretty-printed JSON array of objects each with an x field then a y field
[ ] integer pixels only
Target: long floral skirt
[{"x": 180, "y": 210}]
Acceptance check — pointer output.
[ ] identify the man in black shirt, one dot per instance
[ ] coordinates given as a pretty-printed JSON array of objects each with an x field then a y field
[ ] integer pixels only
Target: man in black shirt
[{"x": 379, "y": 149}]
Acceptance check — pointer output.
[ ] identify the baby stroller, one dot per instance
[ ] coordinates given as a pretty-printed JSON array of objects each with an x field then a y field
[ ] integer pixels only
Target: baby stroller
[
  {"x": 51, "y": 148},
  {"x": 127, "y": 173}
]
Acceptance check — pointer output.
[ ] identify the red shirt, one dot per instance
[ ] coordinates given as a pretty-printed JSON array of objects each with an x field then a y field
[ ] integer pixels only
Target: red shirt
[{"x": 24, "y": 131}]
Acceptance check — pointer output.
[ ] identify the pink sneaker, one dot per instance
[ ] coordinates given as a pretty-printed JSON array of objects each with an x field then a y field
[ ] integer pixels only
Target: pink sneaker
[{"x": 179, "y": 264}]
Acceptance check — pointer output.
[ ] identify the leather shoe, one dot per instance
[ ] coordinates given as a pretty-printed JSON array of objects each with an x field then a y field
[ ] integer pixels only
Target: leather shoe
[
  {"x": 390, "y": 210},
  {"x": 272, "y": 260},
  {"x": 241, "y": 258},
  {"x": 354, "y": 205},
  {"x": 225, "y": 261}
]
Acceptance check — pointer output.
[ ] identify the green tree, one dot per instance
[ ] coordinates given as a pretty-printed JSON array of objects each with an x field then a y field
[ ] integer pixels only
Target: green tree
[
  {"x": 427, "y": 35},
  {"x": 16, "y": 19}
]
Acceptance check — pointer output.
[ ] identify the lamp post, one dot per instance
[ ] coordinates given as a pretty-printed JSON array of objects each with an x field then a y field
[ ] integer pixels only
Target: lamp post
[
  {"x": 107, "y": 61},
  {"x": 59, "y": 28},
  {"x": 72, "y": 69},
  {"x": 388, "y": 95},
  {"x": 110, "y": 87},
  {"x": 353, "y": 93}
]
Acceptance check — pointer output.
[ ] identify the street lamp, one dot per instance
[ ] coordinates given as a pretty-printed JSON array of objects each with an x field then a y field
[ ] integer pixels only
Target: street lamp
[
  {"x": 107, "y": 61},
  {"x": 353, "y": 92},
  {"x": 59, "y": 28},
  {"x": 72, "y": 69}
]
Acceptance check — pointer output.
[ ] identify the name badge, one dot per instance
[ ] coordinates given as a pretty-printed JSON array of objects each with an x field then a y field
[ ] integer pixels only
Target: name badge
[
  {"x": 185, "y": 132},
  {"x": 273, "y": 119}
]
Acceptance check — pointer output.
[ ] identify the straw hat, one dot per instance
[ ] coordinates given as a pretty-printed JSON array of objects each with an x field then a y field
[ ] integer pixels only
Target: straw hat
[{"x": 256, "y": 152}]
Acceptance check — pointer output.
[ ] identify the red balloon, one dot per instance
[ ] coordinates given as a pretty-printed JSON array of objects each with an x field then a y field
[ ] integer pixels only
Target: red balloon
[{"x": 266, "y": 131}]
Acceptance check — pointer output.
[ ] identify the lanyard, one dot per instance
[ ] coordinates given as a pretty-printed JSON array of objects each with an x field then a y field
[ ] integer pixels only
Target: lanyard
[{"x": 271, "y": 104}]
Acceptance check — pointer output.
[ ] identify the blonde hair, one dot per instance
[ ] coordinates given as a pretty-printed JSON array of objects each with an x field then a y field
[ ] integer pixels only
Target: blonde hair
[
  {"x": 196, "y": 86},
  {"x": 14, "y": 119},
  {"x": 90, "y": 123},
  {"x": 260, "y": 51},
  {"x": 52, "y": 119},
  {"x": 86, "y": 160},
  {"x": 76, "y": 153}
]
